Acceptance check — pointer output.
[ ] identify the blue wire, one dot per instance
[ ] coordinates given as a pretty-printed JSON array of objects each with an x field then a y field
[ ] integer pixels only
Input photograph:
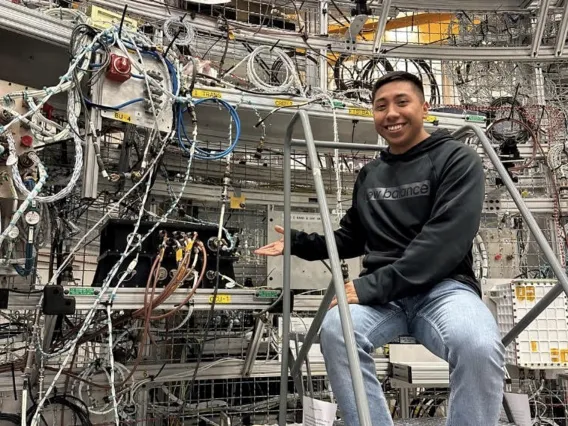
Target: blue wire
[
  {"x": 201, "y": 154},
  {"x": 114, "y": 108}
]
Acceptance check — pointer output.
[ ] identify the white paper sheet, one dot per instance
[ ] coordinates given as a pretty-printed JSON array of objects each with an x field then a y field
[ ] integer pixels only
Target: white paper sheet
[{"x": 318, "y": 413}]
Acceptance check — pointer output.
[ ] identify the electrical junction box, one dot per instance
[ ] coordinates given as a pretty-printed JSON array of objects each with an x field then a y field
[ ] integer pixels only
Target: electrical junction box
[
  {"x": 117, "y": 93},
  {"x": 305, "y": 275},
  {"x": 544, "y": 344}
]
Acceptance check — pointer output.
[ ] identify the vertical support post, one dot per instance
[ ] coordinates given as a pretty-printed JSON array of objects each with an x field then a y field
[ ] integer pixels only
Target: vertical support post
[
  {"x": 381, "y": 26},
  {"x": 91, "y": 168},
  {"x": 323, "y": 30},
  {"x": 540, "y": 26},
  {"x": 557, "y": 268},
  {"x": 344, "y": 311},
  {"x": 563, "y": 32}
]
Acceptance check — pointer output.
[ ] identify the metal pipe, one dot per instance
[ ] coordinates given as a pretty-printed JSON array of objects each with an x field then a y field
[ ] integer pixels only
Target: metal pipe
[
  {"x": 563, "y": 32},
  {"x": 314, "y": 328},
  {"x": 339, "y": 145},
  {"x": 344, "y": 311},
  {"x": 533, "y": 226},
  {"x": 539, "y": 30},
  {"x": 381, "y": 26},
  {"x": 286, "y": 274}
]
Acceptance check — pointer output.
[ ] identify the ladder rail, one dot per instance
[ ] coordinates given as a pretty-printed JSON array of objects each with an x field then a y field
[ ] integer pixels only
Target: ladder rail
[
  {"x": 344, "y": 312},
  {"x": 336, "y": 286},
  {"x": 528, "y": 217}
]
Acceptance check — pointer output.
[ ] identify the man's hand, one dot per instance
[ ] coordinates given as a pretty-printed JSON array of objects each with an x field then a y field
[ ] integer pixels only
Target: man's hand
[
  {"x": 273, "y": 249},
  {"x": 351, "y": 295}
]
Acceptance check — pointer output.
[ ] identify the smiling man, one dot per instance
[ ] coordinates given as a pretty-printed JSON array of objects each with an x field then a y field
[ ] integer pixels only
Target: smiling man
[{"x": 414, "y": 215}]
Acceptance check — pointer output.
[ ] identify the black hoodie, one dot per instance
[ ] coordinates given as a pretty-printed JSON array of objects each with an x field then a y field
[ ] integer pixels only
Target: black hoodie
[{"x": 414, "y": 218}]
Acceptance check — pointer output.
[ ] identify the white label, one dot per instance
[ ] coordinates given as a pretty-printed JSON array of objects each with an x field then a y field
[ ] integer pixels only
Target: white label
[{"x": 318, "y": 413}]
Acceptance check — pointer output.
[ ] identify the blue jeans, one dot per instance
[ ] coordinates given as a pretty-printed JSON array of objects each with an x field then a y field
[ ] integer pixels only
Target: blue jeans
[{"x": 452, "y": 322}]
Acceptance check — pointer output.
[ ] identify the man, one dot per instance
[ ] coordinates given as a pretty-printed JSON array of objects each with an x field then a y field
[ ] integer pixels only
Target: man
[{"x": 415, "y": 213}]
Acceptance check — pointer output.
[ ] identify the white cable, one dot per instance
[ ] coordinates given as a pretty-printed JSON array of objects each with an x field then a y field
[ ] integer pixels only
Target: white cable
[
  {"x": 77, "y": 168},
  {"x": 291, "y": 78},
  {"x": 181, "y": 31}
]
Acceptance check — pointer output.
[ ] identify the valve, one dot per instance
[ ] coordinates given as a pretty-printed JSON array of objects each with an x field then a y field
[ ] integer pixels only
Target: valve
[{"x": 119, "y": 68}]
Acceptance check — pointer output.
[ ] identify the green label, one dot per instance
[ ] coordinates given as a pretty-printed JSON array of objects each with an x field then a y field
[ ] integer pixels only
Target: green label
[
  {"x": 476, "y": 118},
  {"x": 268, "y": 294},
  {"x": 81, "y": 291}
]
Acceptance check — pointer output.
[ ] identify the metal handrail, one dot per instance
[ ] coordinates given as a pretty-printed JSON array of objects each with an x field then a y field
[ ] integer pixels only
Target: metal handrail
[
  {"x": 344, "y": 313},
  {"x": 337, "y": 283},
  {"x": 533, "y": 226}
]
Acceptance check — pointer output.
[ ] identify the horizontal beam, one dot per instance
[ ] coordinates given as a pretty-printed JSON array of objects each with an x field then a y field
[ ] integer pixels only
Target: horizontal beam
[
  {"x": 228, "y": 369},
  {"x": 133, "y": 298},
  {"x": 35, "y": 24}
]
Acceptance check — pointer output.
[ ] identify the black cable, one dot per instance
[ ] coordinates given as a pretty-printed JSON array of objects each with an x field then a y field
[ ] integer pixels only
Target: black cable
[{"x": 12, "y": 418}]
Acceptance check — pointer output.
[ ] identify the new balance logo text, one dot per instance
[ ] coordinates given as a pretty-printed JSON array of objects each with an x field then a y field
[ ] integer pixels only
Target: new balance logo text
[{"x": 410, "y": 190}]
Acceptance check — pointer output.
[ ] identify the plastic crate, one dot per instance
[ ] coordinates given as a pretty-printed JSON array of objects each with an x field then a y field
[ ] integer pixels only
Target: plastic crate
[{"x": 544, "y": 344}]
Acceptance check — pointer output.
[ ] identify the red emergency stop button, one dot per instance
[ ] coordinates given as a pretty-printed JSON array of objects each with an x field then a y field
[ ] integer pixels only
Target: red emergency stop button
[{"x": 27, "y": 141}]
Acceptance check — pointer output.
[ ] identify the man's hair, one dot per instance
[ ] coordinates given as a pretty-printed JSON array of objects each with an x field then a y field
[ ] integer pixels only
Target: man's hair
[{"x": 393, "y": 76}]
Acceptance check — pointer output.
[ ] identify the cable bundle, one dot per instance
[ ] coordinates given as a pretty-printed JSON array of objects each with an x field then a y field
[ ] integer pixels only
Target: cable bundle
[{"x": 202, "y": 154}]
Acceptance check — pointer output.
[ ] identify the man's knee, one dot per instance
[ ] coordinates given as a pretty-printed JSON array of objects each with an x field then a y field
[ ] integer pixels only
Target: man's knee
[
  {"x": 480, "y": 349},
  {"x": 331, "y": 332}
]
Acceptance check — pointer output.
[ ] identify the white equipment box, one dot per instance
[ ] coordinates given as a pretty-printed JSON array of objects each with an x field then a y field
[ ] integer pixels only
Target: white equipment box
[{"x": 544, "y": 344}]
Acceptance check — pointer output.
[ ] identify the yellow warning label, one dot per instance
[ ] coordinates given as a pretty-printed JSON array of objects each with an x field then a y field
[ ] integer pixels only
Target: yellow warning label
[
  {"x": 431, "y": 119},
  {"x": 283, "y": 103},
  {"x": 555, "y": 355},
  {"x": 361, "y": 112},
  {"x": 179, "y": 255},
  {"x": 520, "y": 293},
  {"x": 563, "y": 355},
  {"x": 530, "y": 293},
  {"x": 122, "y": 116},
  {"x": 237, "y": 202},
  {"x": 221, "y": 299},
  {"x": 200, "y": 93},
  {"x": 534, "y": 346}
]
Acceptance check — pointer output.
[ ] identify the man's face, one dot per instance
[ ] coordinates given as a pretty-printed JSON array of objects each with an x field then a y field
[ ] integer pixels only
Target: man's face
[{"x": 399, "y": 111}]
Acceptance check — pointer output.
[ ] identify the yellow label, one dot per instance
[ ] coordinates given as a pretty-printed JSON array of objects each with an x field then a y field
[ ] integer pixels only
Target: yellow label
[
  {"x": 554, "y": 355},
  {"x": 534, "y": 346},
  {"x": 361, "y": 112},
  {"x": 122, "y": 116},
  {"x": 179, "y": 255},
  {"x": 563, "y": 355},
  {"x": 103, "y": 19},
  {"x": 431, "y": 119},
  {"x": 530, "y": 293},
  {"x": 189, "y": 245},
  {"x": 283, "y": 102},
  {"x": 520, "y": 293},
  {"x": 237, "y": 202},
  {"x": 200, "y": 93},
  {"x": 222, "y": 299}
]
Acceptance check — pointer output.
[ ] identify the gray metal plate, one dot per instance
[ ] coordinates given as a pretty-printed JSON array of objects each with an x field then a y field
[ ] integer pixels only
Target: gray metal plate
[
  {"x": 305, "y": 275},
  {"x": 115, "y": 93}
]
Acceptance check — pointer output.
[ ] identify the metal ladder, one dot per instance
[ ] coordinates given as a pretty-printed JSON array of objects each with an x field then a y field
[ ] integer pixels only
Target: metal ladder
[{"x": 336, "y": 286}]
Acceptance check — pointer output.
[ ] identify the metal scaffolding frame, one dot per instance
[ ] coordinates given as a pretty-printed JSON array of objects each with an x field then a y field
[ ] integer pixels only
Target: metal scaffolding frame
[{"x": 337, "y": 285}]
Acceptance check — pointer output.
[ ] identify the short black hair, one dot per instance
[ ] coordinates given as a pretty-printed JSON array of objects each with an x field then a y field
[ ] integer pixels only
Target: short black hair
[{"x": 398, "y": 76}]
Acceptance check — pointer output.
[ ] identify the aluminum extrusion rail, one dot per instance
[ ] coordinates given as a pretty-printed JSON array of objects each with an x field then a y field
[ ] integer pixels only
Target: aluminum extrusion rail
[
  {"x": 214, "y": 370},
  {"x": 32, "y": 23},
  {"x": 133, "y": 298}
]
